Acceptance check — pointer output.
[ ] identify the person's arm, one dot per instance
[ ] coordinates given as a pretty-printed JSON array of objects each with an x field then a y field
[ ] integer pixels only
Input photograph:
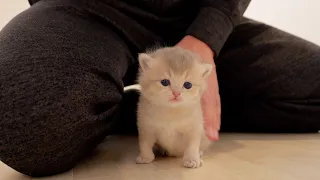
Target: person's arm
[
  {"x": 206, "y": 36},
  {"x": 216, "y": 20}
]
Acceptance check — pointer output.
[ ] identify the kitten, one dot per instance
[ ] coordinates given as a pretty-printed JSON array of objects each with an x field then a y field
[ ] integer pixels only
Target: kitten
[{"x": 172, "y": 81}]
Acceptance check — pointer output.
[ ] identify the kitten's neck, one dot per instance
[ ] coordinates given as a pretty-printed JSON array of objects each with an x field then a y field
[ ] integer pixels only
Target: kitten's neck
[
  {"x": 184, "y": 113},
  {"x": 182, "y": 107}
]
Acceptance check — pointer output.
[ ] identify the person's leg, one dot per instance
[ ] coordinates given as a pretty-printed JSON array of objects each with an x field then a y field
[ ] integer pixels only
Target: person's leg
[
  {"x": 269, "y": 81},
  {"x": 61, "y": 84}
]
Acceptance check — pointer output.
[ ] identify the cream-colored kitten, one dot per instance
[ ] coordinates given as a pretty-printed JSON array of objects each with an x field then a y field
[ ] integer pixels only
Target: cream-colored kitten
[{"x": 172, "y": 81}]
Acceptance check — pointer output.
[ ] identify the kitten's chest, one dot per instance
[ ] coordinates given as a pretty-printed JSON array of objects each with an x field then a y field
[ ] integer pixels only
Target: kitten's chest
[
  {"x": 173, "y": 125},
  {"x": 171, "y": 129},
  {"x": 172, "y": 138}
]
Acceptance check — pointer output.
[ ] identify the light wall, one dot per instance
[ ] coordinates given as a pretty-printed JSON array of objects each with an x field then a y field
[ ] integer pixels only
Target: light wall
[
  {"x": 300, "y": 17},
  {"x": 10, "y": 8}
]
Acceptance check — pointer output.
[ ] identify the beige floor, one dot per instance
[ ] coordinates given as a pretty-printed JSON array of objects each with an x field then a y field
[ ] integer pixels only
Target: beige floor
[{"x": 235, "y": 157}]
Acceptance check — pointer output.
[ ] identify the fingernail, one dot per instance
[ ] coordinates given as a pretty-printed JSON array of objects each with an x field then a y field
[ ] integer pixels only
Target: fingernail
[{"x": 213, "y": 134}]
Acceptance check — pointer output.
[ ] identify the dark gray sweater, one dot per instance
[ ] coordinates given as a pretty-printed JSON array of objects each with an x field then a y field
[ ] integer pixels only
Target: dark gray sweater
[{"x": 213, "y": 23}]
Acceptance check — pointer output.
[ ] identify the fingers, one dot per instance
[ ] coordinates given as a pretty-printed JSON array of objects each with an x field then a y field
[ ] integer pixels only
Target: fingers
[
  {"x": 217, "y": 102},
  {"x": 211, "y": 120},
  {"x": 218, "y": 113},
  {"x": 212, "y": 108},
  {"x": 212, "y": 134},
  {"x": 213, "y": 127}
]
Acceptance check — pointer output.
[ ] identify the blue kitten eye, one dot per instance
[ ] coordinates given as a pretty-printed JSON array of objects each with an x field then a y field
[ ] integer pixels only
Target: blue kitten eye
[
  {"x": 187, "y": 85},
  {"x": 165, "y": 82}
]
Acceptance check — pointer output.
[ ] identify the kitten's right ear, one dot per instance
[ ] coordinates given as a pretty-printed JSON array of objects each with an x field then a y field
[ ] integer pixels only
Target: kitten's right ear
[
  {"x": 207, "y": 68},
  {"x": 145, "y": 61}
]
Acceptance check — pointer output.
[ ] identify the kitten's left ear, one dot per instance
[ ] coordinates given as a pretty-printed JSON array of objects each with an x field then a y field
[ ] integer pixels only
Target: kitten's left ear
[
  {"x": 206, "y": 70},
  {"x": 144, "y": 61}
]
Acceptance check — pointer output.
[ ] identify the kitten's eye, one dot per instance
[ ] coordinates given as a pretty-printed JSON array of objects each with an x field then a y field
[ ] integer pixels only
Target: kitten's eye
[
  {"x": 187, "y": 85},
  {"x": 165, "y": 82}
]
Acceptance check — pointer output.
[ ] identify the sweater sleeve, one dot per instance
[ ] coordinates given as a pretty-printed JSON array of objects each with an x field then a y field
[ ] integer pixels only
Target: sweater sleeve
[{"x": 216, "y": 20}]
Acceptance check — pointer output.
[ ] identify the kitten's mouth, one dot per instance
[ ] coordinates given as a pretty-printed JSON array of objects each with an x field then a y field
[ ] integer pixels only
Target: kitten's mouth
[{"x": 175, "y": 99}]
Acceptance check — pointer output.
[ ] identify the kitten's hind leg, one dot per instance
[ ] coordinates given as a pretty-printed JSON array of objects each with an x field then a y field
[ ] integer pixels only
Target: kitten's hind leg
[
  {"x": 158, "y": 150},
  {"x": 146, "y": 143}
]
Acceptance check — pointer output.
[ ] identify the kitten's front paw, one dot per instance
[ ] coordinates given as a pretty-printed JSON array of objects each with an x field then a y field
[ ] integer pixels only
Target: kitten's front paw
[
  {"x": 192, "y": 162},
  {"x": 144, "y": 159}
]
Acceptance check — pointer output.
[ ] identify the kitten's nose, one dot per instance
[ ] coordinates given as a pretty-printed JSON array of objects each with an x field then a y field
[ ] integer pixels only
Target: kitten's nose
[{"x": 176, "y": 94}]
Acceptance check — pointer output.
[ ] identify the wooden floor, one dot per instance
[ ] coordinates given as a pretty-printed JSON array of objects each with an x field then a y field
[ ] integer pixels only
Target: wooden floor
[{"x": 235, "y": 157}]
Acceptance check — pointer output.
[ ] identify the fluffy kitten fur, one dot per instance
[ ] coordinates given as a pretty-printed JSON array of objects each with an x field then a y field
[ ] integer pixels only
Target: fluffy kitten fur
[{"x": 175, "y": 125}]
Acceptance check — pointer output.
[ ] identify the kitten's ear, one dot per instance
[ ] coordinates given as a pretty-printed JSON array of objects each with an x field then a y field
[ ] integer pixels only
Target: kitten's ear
[
  {"x": 206, "y": 70},
  {"x": 145, "y": 61}
]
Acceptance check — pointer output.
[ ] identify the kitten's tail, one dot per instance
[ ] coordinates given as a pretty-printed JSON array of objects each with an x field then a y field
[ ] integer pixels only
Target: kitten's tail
[{"x": 132, "y": 87}]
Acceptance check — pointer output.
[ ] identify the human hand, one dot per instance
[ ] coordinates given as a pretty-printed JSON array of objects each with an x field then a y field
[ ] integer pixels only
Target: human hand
[{"x": 211, "y": 105}]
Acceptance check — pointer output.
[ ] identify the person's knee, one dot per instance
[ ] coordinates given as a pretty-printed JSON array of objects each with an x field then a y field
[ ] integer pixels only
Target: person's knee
[
  {"x": 46, "y": 131},
  {"x": 57, "y": 100},
  {"x": 38, "y": 166},
  {"x": 52, "y": 111}
]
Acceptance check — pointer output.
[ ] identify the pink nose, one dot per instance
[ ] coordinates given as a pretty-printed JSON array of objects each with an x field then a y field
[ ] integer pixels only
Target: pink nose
[{"x": 176, "y": 94}]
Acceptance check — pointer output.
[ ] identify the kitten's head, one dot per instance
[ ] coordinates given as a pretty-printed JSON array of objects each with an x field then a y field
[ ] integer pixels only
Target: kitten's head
[{"x": 172, "y": 76}]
